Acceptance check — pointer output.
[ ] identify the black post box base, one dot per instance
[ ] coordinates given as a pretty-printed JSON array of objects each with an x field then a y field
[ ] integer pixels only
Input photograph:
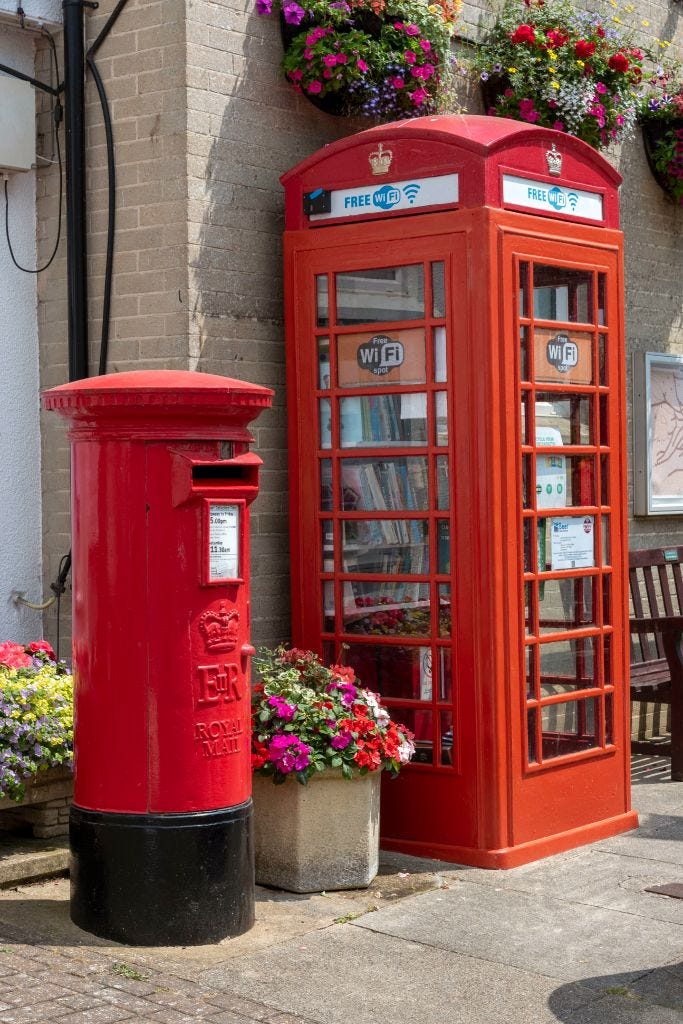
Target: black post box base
[{"x": 163, "y": 879}]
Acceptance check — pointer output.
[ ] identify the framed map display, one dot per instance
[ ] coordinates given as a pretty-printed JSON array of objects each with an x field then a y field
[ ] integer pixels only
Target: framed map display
[{"x": 658, "y": 434}]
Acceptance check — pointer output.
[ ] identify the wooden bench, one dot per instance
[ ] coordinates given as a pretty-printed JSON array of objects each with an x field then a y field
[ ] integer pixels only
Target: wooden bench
[{"x": 656, "y": 625}]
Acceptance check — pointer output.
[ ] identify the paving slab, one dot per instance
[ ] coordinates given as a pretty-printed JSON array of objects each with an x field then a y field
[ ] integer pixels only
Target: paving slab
[
  {"x": 532, "y": 931},
  {"x": 351, "y": 974},
  {"x": 594, "y": 877},
  {"x": 657, "y": 796},
  {"x": 659, "y": 837}
]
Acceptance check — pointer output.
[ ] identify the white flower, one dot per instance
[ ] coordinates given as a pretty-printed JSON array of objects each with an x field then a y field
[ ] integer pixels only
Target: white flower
[{"x": 406, "y": 751}]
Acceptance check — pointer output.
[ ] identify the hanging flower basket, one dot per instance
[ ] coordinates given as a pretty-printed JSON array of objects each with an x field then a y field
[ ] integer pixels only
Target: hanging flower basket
[
  {"x": 661, "y": 115},
  {"x": 383, "y": 59},
  {"x": 550, "y": 64},
  {"x": 663, "y": 142}
]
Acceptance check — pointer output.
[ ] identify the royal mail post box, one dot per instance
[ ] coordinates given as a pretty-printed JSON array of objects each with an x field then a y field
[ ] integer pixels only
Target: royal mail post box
[
  {"x": 162, "y": 480},
  {"x": 454, "y": 315}
]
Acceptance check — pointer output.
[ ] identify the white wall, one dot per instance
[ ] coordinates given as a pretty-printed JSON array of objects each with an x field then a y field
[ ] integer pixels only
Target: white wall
[
  {"x": 49, "y": 11},
  {"x": 20, "y": 511}
]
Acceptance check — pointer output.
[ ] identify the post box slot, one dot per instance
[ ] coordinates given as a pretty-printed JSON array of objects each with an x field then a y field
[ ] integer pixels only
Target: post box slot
[{"x": 219, "y": 473}]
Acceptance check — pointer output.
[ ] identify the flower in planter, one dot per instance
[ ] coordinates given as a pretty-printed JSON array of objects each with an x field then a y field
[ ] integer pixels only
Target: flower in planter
[
  {"x": 308, "y": 717},
  {"x": 36, "y": 714},
  {"x": 661, "y": 116},
  {"x": 384, "y": 59},
  {"x": 561, "y": 68}
]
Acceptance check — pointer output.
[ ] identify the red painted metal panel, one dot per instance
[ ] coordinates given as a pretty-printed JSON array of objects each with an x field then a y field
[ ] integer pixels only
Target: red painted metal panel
[{"x": 161, "y": 645}]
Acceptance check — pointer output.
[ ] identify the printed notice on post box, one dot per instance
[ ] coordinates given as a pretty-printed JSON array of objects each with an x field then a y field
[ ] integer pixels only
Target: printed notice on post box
[
  {"x": 224, "y": 534},
  {"x": 572, "y": 542}
]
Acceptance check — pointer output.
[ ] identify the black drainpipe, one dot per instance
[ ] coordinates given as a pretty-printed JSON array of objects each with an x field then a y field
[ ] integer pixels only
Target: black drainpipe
[{"x": 74, "y": 127}]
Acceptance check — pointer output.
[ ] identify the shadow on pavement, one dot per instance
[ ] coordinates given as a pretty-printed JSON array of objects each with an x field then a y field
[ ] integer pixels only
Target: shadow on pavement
[{"x": 652, "y": 997}]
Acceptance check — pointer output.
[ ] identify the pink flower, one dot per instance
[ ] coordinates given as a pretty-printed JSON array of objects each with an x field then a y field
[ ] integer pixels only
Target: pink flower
[
  {"x": 315, "y": 86},
  {"x": 426, "y": 45},
  {"x": 341, "y": 741},
  {"x": 308, "y": 54},
  {"x": 296, "y": 75},
  {"x": 13, "y": 655},
  {"x": 362, "y": 66},
  {"x": 398, "y": 25},
  {"x": 342, "y": 58},
  {"x": 330, "y": 60},
  {"x": 558, "y": 126},
  {"x": 397, "y": 82},
  {"x": 527, "y": 112},
  {"x": 410, "y": 57},
  {"x": 328, "y": 73},
  {"x": 418, "y": 96},
  {"x": 412, "y": 30},
  {"x": 601, "y": 88}
]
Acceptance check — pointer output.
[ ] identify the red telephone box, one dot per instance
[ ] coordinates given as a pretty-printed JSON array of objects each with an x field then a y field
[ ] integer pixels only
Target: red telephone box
[
  {"x": 162, "y": 477},
  {"x": 454, "y": 304}
]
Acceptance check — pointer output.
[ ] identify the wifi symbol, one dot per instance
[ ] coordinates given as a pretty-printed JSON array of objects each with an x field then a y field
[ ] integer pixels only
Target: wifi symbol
[
  {"x": 410, "y": 192},
  {"x": 573, "y": 199}
]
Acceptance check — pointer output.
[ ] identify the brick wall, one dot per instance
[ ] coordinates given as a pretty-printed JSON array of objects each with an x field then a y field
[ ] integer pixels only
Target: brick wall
[{"x": 204, "y": 126}]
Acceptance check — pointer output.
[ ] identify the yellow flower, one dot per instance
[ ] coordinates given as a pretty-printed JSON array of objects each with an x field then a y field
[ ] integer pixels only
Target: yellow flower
[
  {"x": 512, "y": 71},
  {"x": 555, "y": 85},
  {"x": 616, "y": 20},
  {"x": 645, "y": 22},
  {"x": 552, "y": 54},
  {"x": 552, "y": 71},
  {"x": 581, "y": 63}
]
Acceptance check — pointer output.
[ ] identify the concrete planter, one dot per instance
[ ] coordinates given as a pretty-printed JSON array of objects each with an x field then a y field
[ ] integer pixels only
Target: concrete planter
[{"x": 322, "y": 836}]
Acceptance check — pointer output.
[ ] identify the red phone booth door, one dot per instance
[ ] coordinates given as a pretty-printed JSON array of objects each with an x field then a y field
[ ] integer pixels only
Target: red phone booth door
[
  {"x": 379, "y": 469},
  {"x": 565, "y": 325}
]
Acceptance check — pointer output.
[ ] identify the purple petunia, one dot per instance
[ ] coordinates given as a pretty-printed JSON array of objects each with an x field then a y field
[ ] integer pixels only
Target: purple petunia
[
  {"x": 293, "y": 14},
  {"x": 288, "y": 753},
  {"x": 264, "y": 6},
  {"x": 284, "y": 710}
]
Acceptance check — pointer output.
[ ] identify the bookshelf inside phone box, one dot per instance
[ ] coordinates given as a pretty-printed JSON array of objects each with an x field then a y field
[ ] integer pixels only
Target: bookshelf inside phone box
[{"x": 456, "y": 408}]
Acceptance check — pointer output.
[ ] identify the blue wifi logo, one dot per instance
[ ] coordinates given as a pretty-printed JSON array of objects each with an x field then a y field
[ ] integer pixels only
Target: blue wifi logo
[
  {"x": 573, "y": 200},
  {"x": 410, "y": 191}
]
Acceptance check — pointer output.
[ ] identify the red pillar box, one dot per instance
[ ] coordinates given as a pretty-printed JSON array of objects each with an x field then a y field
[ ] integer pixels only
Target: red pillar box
[
  {"x": 162, "y": 480},
  {"x": 454, "y": 304}
]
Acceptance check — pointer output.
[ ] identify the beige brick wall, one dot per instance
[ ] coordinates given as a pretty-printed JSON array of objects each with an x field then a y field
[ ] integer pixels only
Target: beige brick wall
[{"x": 204, "y": 127}]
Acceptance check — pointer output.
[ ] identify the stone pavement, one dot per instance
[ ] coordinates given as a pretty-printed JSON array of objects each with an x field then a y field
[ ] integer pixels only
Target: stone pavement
[{"x": 575, "y": 938}]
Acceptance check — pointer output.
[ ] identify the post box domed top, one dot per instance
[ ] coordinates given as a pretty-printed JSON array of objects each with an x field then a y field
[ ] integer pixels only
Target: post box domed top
[
  {"x": 457, "y": 161},
  {"x": 168, "y": 402}
]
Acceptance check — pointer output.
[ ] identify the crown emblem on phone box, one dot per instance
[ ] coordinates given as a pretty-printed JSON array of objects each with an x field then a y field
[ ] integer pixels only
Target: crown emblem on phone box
[{"x": 380, "y": 160}]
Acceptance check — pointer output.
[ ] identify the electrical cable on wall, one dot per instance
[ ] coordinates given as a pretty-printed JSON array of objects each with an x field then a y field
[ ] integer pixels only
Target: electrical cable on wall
[
  {"x": 57, "y": 115},
  {"x": 59, "y": 585}
]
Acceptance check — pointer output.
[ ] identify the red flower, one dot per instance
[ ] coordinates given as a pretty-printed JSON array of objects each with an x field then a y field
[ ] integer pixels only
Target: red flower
[
  {"x": 618, "y": 62},
  {"x": 584, "y": 49},
  {"x": 600, "y": 31},
  {"x": 344, "y": 672},
  {"x": 43, "y": 646},
  {"x": 524, "y": 34},
  {"x": 556, "y": 38},
  {"x": 259, "y": 754}
]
